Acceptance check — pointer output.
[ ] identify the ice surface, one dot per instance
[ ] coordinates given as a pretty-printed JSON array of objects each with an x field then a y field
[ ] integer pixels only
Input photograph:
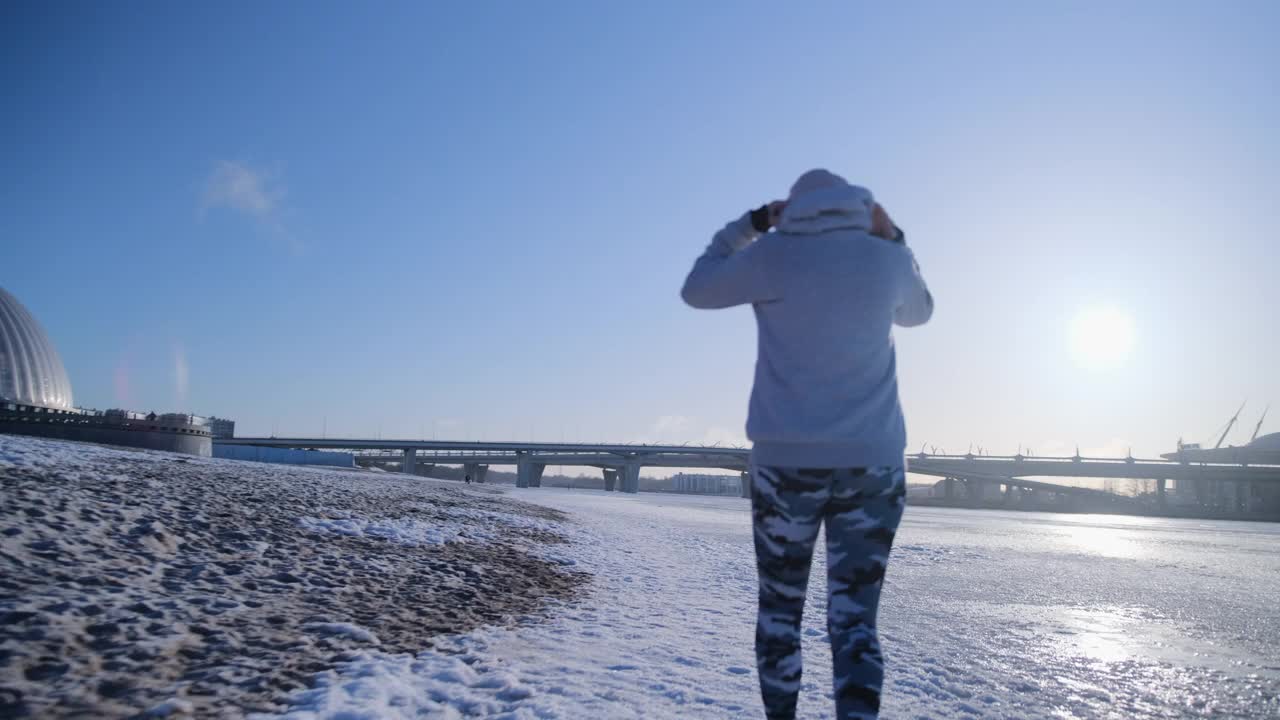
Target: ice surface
[{"x": 986, "y": 615}]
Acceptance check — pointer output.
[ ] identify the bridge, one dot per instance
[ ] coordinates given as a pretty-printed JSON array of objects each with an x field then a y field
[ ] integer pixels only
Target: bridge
[
  {"x": 1207, "y": 483},
  {"x": 621, "y": 464}
]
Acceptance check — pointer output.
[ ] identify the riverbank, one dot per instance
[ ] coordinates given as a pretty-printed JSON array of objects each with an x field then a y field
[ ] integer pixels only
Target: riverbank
[{"x": 136, "y": 581}]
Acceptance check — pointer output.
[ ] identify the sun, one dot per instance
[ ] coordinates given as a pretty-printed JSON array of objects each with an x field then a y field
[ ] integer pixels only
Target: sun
[{"x": 1101, "y": 338}]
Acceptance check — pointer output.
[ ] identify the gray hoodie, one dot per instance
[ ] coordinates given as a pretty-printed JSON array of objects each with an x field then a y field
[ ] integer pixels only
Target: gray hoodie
[{"x": 826, "y": 294}]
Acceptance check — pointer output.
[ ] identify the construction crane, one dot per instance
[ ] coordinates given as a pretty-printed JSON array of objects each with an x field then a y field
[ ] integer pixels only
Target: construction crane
[{"x": 1230, "y": 424}]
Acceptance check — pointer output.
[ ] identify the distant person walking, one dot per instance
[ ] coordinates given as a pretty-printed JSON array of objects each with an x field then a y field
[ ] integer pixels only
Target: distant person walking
[{"x": 827, "y": 285}]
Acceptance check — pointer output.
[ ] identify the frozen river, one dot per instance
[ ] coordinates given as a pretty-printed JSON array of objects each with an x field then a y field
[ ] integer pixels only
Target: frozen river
[{"x": 986, "y": 615}]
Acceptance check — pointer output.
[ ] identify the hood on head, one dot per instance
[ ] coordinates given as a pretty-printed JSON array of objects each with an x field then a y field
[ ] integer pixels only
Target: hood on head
[
  {"x": 822, "y": 201},
  {"x": 816, "y": 180}
]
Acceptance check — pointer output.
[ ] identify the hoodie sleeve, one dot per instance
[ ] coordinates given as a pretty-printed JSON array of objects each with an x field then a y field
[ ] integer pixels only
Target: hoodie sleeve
[
  {"x": 731, "y": 272},
  {"x": 915, "y": 304}
]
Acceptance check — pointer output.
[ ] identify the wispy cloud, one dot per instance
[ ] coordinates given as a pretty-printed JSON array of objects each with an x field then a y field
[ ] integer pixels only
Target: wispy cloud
[
  {"x": 681, "y": 429},
  {"x": 239, "y": 187},
  {"x": 250, "y": 191},
  {"x": 669, "y": 425},
  {"x": 715, "y": 435}
]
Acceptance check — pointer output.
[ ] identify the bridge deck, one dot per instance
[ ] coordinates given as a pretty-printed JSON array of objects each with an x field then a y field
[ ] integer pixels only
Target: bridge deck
[
  {"x": 1014, "y": 467},
  {"x": 995, "y": 467}
]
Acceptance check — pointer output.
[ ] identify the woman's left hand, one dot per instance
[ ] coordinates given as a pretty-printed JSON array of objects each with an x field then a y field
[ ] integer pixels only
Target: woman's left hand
[{"x": 881, "y": 224}]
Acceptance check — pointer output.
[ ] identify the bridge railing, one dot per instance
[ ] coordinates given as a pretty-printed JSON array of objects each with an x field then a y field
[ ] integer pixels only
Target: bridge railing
[{"x": 1066, "y": 459}]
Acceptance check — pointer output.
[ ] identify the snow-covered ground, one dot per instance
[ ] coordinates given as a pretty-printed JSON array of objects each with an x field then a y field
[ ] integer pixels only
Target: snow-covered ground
[
  {"x": 986, "y": 615},
  {"x": 136, "y": 580}
]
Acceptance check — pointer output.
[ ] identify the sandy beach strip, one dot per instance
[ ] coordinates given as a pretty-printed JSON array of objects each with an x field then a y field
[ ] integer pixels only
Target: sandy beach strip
[{"x": 137, "y": 583}]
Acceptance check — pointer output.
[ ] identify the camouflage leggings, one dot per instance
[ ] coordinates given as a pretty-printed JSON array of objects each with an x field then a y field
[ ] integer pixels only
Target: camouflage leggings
[{"x": 861, "y": 509}]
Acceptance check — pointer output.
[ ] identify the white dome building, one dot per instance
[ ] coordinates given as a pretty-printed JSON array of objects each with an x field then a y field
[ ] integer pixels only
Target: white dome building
[
  {"x": 35, "y": 397},
  {"x": 31, "y": 372}
]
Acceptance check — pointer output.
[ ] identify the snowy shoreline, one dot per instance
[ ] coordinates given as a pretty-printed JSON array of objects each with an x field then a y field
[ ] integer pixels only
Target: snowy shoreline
[
  {"x": 1015, "y": 616},
  {"x": 136, "y": 581}
]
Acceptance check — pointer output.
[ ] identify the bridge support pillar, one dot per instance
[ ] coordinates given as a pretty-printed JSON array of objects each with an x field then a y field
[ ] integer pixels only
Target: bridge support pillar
[
  {"x": 610, "y": 479},
  {"x": 1161, "y": 499},
  {"x": 631, "y": 477},
  {"x": 975, "y": 489},
  {"x": 529, "y": 474},
  {"x": 409, "y": 462},
  {"x": 475, "y": 471},
  {"x": 746, "y": 483},
  {"x": 949, "y": 488}
]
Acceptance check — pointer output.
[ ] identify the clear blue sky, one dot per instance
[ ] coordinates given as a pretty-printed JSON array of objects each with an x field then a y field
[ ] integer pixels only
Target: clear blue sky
[{"x": 474, "y": 220}]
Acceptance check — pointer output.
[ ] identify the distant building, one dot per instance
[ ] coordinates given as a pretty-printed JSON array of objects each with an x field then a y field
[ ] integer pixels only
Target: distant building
[
  {"x": 222, "y": 427},
  {"x": 1263, "y": 450},
  {"x": 35, "y": 397},
  {"x": 707, "y": 484},
  {"x": 31, "y": 372}
]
